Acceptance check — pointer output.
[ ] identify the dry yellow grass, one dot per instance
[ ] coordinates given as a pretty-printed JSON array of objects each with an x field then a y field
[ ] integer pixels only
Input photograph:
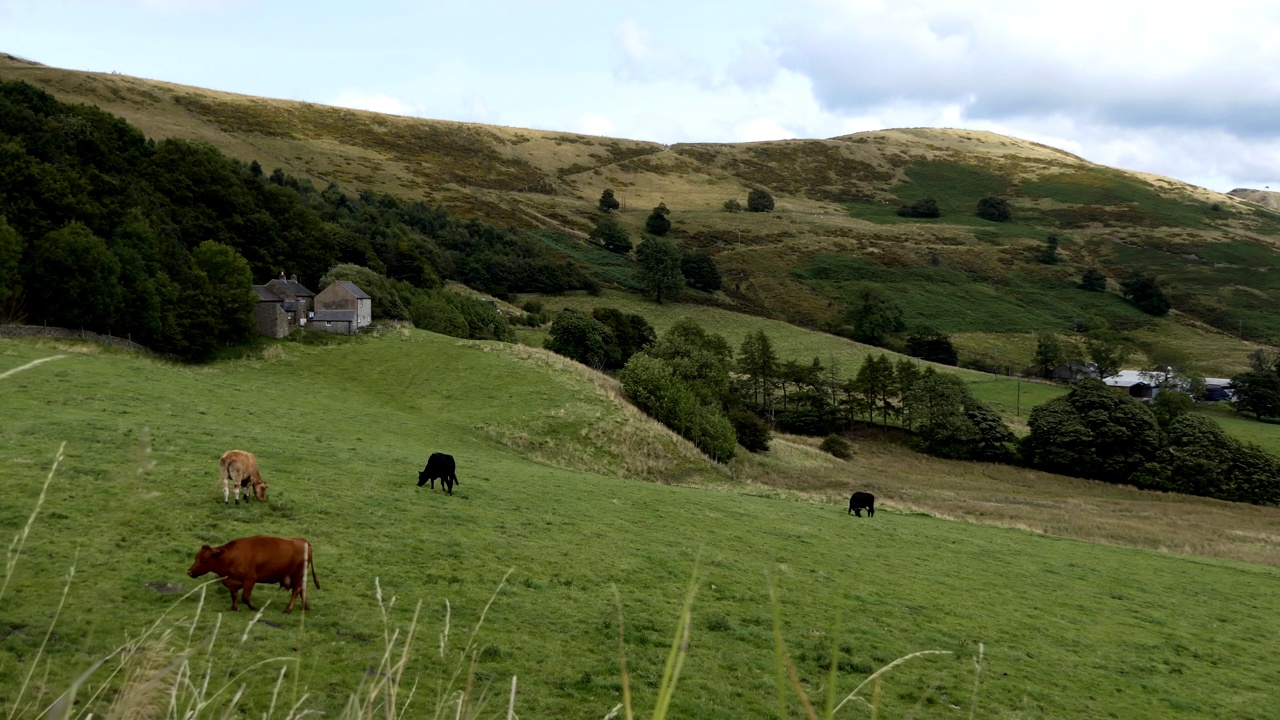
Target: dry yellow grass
[{"x": 1014, "y": 497}]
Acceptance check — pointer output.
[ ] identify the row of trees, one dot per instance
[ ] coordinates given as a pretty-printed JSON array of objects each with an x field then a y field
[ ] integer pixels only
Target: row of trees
[
  {"x": 1094, "y": 432},
  {"x": 695, "y": 383},
  {"x": 161, "y": 241}
]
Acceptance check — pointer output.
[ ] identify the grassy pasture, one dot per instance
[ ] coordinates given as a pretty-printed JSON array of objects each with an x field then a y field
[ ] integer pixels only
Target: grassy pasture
[
  {"x": 957, "y": 301},
  {"x": 794, "y": 343},
  {"x": 1070, "y": 628}
]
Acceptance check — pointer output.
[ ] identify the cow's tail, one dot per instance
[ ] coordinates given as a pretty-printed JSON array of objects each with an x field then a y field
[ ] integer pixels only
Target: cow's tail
[{"x": 311, "y": 565}]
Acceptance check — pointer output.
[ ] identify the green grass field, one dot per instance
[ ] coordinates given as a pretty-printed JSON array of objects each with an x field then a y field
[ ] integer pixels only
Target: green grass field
[{"x": 1070, "y": 629}]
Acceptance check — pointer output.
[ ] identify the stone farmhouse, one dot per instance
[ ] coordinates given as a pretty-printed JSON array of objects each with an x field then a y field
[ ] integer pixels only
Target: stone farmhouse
[
  {"x": 342, "y": 308},
  {"x": 284, "y": 305}
]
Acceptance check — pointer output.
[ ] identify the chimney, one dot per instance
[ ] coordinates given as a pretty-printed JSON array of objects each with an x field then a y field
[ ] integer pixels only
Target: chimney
[
  {"x": 281, "y": 274},
  {"x": 293, "y": 278}
]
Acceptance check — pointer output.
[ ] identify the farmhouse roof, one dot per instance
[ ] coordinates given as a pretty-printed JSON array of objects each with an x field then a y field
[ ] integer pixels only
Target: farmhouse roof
[
  {"x": 264, "y": 294},
  {"x": 354, "y": 290},
  {"x": 292, "y": 286},
  {"x": 1129, "y": 378}
]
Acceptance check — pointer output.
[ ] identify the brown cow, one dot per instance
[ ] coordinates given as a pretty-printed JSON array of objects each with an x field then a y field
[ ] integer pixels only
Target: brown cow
[
  {"x": 248, "y": 561},
  {"x": 239, "y": 468}
]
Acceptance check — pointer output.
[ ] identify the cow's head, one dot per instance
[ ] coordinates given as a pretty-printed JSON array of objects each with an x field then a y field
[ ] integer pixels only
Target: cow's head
[
  {"x": 207, "y": 561},
  {"x": 423, "y": 477},
  {"x": 260, "y": 490}
]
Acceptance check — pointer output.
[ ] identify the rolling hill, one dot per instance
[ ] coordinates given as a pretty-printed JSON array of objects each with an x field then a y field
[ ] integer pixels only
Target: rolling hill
[
  {"x": 834, "y": 228},
  {"x": 548, "y": 463}
]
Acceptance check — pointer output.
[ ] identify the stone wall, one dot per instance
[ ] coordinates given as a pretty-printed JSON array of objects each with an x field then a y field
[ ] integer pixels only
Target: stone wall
[{"x": 41, "y": 331}]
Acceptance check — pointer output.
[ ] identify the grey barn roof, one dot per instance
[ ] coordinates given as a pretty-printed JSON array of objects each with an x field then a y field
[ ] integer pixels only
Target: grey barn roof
[
  {"x": 264, "y": 294},
  {"x": 293, "y": 286},
  {"x": 354, "y": 289}
]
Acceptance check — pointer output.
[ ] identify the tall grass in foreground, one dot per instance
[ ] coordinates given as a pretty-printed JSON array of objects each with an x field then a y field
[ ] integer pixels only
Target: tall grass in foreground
[
  {"x": 168, "y": 670},
  {"x": 785, "y": 673}
]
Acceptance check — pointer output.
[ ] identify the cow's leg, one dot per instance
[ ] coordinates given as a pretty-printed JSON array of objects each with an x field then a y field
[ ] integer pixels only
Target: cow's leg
[
  {"x": 226, "y": 492},
  {"x": 234, "y": 586},
  {"x": 857, "y": 511},
  {"x": 248, "y": 590}
]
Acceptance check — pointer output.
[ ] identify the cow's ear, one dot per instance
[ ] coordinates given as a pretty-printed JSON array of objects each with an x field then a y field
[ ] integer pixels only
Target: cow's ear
[
  {"x": 218, "y": 552},
  {"x": 205, "y": 547}
]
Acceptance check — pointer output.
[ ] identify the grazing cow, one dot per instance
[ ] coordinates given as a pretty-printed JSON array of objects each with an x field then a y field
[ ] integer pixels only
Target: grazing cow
[
  {"x": 439, "y": 466},
  {"x": 860, "y": 501},
  {"x": 248, "y": 561},
  {"x": 239, "y": 469}
]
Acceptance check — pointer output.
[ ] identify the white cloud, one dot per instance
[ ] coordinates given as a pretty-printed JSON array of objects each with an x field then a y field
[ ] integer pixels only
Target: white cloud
[
  {"x": 595, "y": 124},
  {"x": 1133, "y": 64},
  {"x": 761, "y": 128},
  {"x": 377, "y": 102}
]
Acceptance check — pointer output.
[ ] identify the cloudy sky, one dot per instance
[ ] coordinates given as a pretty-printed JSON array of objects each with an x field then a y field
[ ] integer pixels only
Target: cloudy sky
[{"x": 1188, "y": 90}]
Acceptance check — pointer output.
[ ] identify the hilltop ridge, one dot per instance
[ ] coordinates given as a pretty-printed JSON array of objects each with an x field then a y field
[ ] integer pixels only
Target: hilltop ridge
[{"x": 833, "y": 229}]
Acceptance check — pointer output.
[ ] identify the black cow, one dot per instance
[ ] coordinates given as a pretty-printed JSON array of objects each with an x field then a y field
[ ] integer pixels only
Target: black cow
[
  {"x": 441, "y": 467},
  {"x": 860, "y": 501}
]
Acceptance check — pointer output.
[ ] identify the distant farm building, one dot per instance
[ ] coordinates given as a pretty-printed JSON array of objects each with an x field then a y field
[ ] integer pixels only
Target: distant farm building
[
  {"x": 283, "y": 305},
  {"x": 1216, "y": 389},
  {"x": 342, "y": 308}
]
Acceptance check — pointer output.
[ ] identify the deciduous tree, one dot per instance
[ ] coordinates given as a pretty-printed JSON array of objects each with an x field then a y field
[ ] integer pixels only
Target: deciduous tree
[
  {"x": 659, "y": 267},
  {"x": 700, "y": 271},
  {"x": 608, "y": 203},
  {"x": 1146, "y": 294},
  {"x": 874, "y": 317},
  {"x": 581, "y": 337},
  {"x": 609, "y": 234},
  {"x": 658, "y": 223}
]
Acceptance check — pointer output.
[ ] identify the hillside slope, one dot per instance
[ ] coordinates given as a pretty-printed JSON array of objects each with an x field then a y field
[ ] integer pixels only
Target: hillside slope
[
  {"x": 1085, "y": 629},
  {"x": 833, "y": 230}
]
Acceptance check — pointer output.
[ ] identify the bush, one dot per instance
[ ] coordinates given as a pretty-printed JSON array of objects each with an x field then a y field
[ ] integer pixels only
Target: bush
[
  {"x": 925, "y": 207},
  {"x": 933, "y": 345},
  {"x": 700, "y": 271},
  {"x": 431, "y": 312},
  {"x": 1145, "y": 293},
  {"x": 732, "y": 206},
  {"x": 1093, "y": 280},
  {"x": 1049, "y": 253},
  {"x": 759, "y": 201},
  {"x": 994, "y": 209},
  {"x": 608, "y": 202},
  {"x": 753, "y": 433},
  {"x": 837, "y": 446}
]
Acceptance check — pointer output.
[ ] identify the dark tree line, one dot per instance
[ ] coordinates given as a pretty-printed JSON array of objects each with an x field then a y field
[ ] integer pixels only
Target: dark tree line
[
  {"x": 104, "y": 229},
  {"x": 1094, "y": 432}
]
